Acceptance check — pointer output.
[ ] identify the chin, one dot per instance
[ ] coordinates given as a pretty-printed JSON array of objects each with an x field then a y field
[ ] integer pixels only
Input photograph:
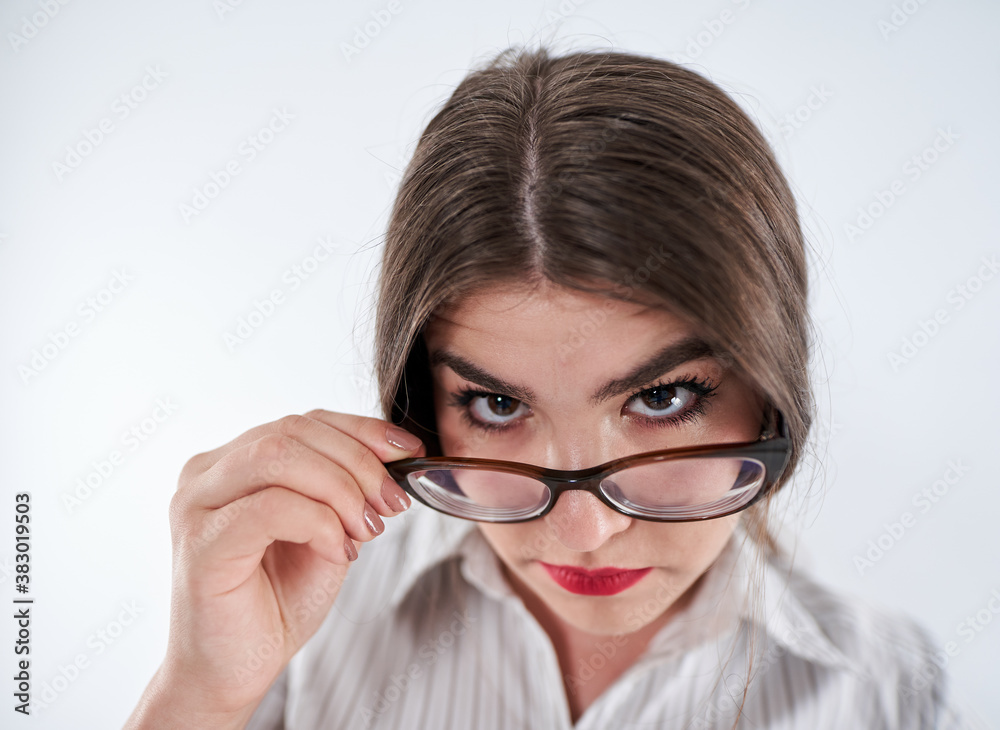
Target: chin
[{"x": 600, "y": 621}]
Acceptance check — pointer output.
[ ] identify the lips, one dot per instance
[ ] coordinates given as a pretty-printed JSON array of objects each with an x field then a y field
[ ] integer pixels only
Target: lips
[{"x": 602, "y": 582}]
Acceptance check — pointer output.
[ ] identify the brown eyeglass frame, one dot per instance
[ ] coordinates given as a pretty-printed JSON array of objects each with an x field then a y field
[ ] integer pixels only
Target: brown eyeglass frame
[{"x": 772, "y": 449}]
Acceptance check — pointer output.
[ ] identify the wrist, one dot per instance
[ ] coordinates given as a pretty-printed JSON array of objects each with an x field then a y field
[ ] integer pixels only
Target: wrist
[{"x": 165, "y": 705}]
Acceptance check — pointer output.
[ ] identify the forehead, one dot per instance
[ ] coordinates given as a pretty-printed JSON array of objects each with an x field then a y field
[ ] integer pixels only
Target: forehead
[
  {"x": 552, "y": 324},
  {"x": 502, "y": 300}
]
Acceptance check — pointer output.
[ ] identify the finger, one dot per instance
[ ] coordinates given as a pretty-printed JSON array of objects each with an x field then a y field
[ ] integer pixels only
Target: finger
[
  {"x": 245, "y": 528},
  {"x": 279, "y": 460},
  {"x": 359, "y": 444},
  {"x": 378, "y": 435},
  {"x": 387, "y": 442}
]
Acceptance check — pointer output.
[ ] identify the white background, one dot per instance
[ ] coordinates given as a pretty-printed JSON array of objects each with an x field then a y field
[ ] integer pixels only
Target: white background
[{"x": 885, "y": 433}]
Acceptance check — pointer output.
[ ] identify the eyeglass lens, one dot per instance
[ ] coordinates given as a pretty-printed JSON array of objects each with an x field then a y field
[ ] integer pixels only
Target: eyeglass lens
[{"x": 670, "y": 489}]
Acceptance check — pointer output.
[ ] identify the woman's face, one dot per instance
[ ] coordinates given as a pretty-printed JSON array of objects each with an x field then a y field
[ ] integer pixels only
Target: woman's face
[{"x": 539, "y": 358}]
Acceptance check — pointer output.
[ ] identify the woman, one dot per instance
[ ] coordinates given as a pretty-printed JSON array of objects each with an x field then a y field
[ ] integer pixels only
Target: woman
[{"x": 590, "y": 257}]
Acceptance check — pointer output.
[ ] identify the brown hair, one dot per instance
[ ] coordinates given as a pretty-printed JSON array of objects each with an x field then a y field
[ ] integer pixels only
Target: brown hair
[
  {"x": 610, "y": 173},
  {"x": 604, "y": 172}
]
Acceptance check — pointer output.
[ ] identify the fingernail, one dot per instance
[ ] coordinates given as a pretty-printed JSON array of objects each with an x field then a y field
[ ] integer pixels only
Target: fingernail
[
  {"x": 393, "y": 495},
  {"x": 375, "y": 525},
  {"x": 350, "y": 550},
  {"x": 402, "y": 439}
]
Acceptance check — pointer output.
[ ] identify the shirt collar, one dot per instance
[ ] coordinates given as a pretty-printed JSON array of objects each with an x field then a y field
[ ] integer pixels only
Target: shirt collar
[
  {"x": 429, "y": 539},
  {"x": 723, "y": 598},
  {"x": 743, "y": 586}
]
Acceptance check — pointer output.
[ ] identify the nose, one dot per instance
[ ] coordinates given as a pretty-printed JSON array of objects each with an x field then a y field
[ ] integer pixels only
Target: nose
[{"x": 582, "y": 523}]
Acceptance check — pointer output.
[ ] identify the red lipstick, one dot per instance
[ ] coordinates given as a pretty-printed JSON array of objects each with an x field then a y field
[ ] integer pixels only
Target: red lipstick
[{"x": 602, "y": 582}]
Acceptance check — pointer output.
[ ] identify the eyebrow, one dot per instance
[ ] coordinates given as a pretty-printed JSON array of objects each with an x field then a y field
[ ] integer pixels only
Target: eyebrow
[{"x": 670, "y": 357}]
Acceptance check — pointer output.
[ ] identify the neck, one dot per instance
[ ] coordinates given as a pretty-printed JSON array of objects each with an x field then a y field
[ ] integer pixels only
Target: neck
[{"x": 585, "y": 677}]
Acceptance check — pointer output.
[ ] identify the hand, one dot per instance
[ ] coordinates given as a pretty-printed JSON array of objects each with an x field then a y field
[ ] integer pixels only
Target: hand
[{"x": 264, "y": 529}]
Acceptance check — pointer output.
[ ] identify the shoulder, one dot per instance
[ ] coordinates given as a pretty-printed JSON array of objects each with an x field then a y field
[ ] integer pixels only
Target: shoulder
[
  {"x": 894, "y": 661},
  {"x": 865, "y": 633}
]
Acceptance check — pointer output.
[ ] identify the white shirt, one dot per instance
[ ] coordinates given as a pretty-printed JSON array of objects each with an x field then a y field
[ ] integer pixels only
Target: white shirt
[{"x": 427, "y": 633}]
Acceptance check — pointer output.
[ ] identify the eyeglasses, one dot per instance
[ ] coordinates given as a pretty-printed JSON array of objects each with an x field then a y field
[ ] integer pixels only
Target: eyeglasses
[{"x": 671, "y": 485}]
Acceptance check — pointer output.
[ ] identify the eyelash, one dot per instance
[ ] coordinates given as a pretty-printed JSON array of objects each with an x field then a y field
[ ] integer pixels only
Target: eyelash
[{"x": 702, "y": 388}]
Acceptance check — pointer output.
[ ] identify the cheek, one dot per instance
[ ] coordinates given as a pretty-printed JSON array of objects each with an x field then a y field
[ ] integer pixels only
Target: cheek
[
  {"x": 682, "y": 547},
  {"x": 458, "y": 439},
  {"x": 691, "y": 545},
  {"x": 520, "y": 542}
]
